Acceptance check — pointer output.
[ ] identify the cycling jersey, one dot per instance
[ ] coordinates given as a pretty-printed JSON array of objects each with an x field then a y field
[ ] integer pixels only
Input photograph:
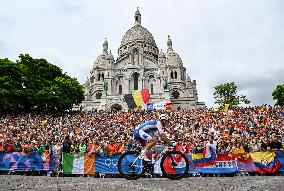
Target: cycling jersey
[{"x": 142, "y": 131}]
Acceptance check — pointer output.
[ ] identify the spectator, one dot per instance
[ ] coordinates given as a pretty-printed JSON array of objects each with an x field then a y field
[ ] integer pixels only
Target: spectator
[
  {"x": 66, "y": 145},
  {"x": 254, "y": 128}
]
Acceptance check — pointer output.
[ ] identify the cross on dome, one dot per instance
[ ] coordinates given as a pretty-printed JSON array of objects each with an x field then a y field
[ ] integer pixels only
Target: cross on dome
[
  {"x": 170, "y": 43},
  {"x": 137, "y": 17},
  {"x": 105, "y": 46}
]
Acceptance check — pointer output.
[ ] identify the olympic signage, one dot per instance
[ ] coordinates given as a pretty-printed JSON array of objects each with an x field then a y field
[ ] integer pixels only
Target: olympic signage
[
  {"x": 107, "y": 164},
  {"x": 111, "y": 162}
]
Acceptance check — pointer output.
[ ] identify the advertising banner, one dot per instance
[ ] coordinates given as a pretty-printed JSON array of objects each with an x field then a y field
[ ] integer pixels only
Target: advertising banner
[
  {"x": 107, "y": 164},
  {"x": 30, "y": 161}
]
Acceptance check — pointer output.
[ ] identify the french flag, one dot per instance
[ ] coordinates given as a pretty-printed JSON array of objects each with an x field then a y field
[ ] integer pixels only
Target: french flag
[{"x": 209, "y": 151}]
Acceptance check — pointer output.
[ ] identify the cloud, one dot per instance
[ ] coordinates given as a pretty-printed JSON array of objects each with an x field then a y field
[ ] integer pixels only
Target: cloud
[{"x": 2, "y": 47}]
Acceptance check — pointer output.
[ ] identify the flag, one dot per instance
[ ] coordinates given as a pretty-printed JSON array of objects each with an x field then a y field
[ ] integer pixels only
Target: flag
[
  {"x": 226, "y": 108},
  {"x": 150, "y": 106},
  {"x": 43, "y": 122},
  {"x": 208, "y": 157},
  {"x": 261, "y": 110},
  {"x": 265, "y": 162},
  {"x": 78, "y": 163},
  {"x": 169, "y": 105},
  {"x": 240, "y": 155},
  {"x": 198, "y": 160},
  {"x": 137, "y": 96},
  {"x": 137, "y": 99},
  {"x": 130, "y": 101},
  {"x": 247, "y": 166},
  {"x": 209, "y": 151},
  {"x": 145, "y": 95}
]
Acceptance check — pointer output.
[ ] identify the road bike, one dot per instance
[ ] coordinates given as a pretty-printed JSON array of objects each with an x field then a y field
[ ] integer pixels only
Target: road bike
[{"x": 174, "y": 164}]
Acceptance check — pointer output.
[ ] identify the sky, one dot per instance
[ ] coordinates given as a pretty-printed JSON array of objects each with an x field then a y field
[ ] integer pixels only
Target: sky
[{"x": 219, "y": 41}]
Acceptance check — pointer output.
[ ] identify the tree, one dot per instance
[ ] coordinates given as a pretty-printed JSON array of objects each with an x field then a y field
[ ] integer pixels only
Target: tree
[
  {"x": 11, "y": 86},
  {"x": 227, "y": 94},
  {"x": 35, "y": 85},
  {"x": 278, "y": 94}
]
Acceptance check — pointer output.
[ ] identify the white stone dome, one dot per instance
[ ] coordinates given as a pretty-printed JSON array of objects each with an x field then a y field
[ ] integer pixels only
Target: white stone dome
[
  {"x": 110, "y": 56},
  {"x": 173, "y": 58},
  {"x": 138, "y": 33},
  {"x": 161, "y": 54}
]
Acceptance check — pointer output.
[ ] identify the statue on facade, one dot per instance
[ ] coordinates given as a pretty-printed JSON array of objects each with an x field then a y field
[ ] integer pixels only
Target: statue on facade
[
  {"x": 105, "y": 85},
  {"x": 165, "y": 85}
]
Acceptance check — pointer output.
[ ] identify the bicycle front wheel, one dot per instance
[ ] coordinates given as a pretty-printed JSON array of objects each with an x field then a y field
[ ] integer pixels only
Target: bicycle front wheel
[
  {"x": 174, "y": 165},
  {"x": 130, "y": 166}
]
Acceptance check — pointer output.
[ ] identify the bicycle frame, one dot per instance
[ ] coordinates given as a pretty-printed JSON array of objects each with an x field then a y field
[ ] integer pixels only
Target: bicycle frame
[{"x": 165, "y": 150}]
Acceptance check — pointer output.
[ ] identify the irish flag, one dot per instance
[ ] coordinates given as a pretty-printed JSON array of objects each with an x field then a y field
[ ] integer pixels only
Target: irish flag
[{"x": 78, "y": 163}]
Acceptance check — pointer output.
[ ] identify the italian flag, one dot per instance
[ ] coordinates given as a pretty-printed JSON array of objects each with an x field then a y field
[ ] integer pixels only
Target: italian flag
[{"x": 78, "y": 163}]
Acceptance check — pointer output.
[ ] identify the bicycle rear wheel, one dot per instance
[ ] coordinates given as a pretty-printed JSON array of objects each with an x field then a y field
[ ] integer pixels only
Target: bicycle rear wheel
[
  {"x": 174, "y": 165},
  {"x": 130, "y": 166}
]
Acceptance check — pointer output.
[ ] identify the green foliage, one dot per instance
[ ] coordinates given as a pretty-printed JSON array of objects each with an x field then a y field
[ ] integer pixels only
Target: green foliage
[
  {"x": 36, "y": 85},
  {"x": 227, "y": 94},
  {"x": 278, "y": 94}
]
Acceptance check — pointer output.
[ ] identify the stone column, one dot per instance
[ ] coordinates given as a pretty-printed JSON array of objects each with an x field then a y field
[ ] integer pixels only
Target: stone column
[
  {"x": 143, "y": 82},
  {"x": 126, "y": 89},
  {"x": 166, "y": 94}
]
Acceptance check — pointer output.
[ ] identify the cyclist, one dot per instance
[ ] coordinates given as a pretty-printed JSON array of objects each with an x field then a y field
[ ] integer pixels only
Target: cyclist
[{"x": 142, "y": 134}]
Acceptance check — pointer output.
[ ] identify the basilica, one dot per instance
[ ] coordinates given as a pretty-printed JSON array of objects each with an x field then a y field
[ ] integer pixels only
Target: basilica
[{"x": 140, "y": 64}]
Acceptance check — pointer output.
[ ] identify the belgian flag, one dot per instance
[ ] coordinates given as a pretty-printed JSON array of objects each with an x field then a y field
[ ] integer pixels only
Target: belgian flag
[{"x": 137, "y": 98}]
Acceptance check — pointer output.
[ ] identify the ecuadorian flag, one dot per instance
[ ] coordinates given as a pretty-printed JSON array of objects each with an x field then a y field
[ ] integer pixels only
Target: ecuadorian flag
[
  {"x": 208, "y": 157},
  {"x": 265, "y": 162}
]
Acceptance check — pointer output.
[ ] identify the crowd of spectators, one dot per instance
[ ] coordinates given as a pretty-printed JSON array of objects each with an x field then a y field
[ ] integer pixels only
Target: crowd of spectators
[{"x": 108, "y": 132}]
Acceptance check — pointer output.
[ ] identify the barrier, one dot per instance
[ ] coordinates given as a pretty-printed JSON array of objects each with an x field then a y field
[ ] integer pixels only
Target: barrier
[
  {"x": 91, "y": 164},
  {"x": 107, "y": 164},
  {"x": 280, "y": 158},
  {"x": 31, "y": 161},
  {"x": 223, "y": 165}
]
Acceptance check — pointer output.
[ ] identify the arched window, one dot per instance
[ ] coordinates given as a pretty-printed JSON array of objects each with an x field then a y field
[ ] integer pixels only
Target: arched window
[
  {"x": 175, "y": 74},
  {"x": 99, "y": 95},
  {"x": 99, "y": 77},
  {"x": 135, "y": 79},
  {"x": 152, "y": 89},
  {"x": 120, "y": 89},
  {"x": 172, "y": 74},
  {"x": 151, "y": 78},
  {"x": 103, "y": 76}
]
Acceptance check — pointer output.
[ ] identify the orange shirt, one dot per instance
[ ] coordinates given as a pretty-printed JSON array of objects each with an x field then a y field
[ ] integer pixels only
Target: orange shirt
[
  {"x": 112, "y": 149},
  {"x": 121, "y": 149}
]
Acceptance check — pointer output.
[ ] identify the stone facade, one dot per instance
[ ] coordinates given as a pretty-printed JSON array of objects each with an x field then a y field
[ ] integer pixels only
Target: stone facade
[{"x": 139, "y": 65}]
